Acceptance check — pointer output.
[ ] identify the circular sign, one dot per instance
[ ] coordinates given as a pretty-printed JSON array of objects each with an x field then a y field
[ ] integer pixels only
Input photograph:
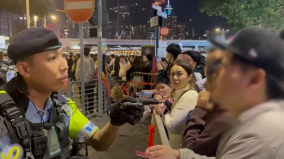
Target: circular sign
[
  {"x": 148, "y": 51},
  {"x": 79, "y": 11},
  {"x": 165, "y": 31}
]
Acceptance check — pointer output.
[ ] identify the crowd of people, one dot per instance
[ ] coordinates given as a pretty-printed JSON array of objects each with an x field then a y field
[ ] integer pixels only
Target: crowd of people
[
  {"x": 229, "y": 105},
  {"x": 238, "y": 114}
]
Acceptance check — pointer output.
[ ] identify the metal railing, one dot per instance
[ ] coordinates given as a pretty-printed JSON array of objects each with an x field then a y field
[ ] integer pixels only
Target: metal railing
[
  {"x": 160, "y": 135},
  {"x": 73, "y": 91},
  {"x": 141, "y": 81}
]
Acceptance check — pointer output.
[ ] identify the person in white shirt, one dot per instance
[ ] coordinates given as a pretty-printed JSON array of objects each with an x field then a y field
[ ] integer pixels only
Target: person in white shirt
[
  {"x": 112, "y": 61},
  {"x": 185, "y": 97},
  {"x": 88, "y": 78},
  {"x": 124, "y": 66}
]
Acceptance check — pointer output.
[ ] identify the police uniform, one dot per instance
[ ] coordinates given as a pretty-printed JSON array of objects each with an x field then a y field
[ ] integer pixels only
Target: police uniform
[
  {"x": 46, "y": 133},
  {"x": 72, "y": 121}
]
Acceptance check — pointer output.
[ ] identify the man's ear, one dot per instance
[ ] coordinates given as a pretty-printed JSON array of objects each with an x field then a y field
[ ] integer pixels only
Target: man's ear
[
  {"x": 24, "y": 69},
  {"x": 257, "y": 78}
]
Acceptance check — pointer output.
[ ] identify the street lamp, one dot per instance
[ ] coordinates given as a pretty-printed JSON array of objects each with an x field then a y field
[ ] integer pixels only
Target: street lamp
[
  {"x": 217, "y": 29},
  {"x": 35, "y": 21},
  {"x": 53, "y": 17}
]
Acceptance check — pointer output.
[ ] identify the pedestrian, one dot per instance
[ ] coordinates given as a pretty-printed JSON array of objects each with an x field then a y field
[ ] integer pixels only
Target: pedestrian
[
  {"x": 112, "y": 61},
  {"x": 209, "y": 120},
  {"x": 173, "y": 50},
  {"x": 88, "y": 79},
  {"x": 250, "y": 86},
  {"x": 40, "y": 120},
  {"x": 185, "y": 93},
  {"x": 70, "y": 62},
  {"x": 124, "y": 66}
]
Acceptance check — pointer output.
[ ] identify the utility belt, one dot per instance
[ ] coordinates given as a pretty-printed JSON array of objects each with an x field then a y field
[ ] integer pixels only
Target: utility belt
[{"x": 40, "y": 140}]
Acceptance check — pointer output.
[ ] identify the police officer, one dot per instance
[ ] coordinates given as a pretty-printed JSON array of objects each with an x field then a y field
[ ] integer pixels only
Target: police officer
[{"x": 41, "y": 120}]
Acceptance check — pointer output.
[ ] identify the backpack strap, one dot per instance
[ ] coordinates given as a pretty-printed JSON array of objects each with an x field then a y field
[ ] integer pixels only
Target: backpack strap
[{"x": 15, "y": 121}]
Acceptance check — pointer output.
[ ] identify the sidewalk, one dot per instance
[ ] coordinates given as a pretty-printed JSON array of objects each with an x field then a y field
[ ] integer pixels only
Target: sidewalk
[{"x": 129, "y": 139}]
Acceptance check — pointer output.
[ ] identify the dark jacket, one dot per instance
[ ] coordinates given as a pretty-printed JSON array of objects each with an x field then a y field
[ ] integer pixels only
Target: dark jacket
[{"x": 205, "y": 130}]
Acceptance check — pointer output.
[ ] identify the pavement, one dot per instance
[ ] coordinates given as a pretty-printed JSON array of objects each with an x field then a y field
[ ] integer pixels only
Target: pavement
[{"x": 129, "y": 139}]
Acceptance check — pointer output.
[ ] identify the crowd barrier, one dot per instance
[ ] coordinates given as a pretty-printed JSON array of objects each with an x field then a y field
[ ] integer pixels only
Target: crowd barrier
[
  {"x": 141, "y": 81},
  {"x": 160, "y": 135},
  {"x": 91, "y": 104}
]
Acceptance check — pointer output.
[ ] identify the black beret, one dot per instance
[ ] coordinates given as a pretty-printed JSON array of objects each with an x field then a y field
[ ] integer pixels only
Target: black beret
[{"x": 32, "y": 41}]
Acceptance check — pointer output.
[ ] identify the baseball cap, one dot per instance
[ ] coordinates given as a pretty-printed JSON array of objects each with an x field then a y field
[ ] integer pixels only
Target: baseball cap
[{"x": 258, "y": 46}]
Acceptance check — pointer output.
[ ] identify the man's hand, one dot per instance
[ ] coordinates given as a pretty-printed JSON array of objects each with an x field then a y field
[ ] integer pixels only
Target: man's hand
[
  {"x": 162, "y": 152},
  {"x": 128, "y": 110}
]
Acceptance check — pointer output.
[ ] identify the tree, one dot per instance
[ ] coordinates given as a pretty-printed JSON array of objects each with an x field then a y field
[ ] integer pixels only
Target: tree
[{"x": 240, "y": 13}]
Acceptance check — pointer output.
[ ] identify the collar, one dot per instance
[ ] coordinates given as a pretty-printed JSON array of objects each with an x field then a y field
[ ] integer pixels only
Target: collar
[
  {"x": 272, "y": 105},
  {"x": 33, "y": 111}
]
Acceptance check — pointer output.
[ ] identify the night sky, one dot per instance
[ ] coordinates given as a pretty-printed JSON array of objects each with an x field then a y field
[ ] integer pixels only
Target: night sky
[{"x": 186, "y": 9}]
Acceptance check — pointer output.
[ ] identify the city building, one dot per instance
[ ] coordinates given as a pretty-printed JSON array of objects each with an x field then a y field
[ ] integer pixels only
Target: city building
[
  {"x": 17, "y": 24},
  {"x": 190, "y": 32}
]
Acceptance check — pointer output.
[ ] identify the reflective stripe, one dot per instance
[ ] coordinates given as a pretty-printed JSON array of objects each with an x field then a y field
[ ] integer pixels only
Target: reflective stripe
[
  {"x": 80, "y": 125},
  {"x": 3, "y": 92}
]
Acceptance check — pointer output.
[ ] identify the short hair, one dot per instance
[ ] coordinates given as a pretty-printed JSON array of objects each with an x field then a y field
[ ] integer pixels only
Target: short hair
[
  {"x": 163, "y": 80},
  {"x": 274, "y": 87},
  {"x": 112, "y": 55},
  {"x": 87, "y": 51},
  {"x": 149, "y": 57},
  {"x": 194, "y": 55},
  {"x": 174, "y": 49},
  {"x": 282, "y": 34}
]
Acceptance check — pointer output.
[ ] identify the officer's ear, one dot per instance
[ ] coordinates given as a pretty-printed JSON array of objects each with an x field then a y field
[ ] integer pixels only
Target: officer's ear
[{"x": 23, "y": 66}]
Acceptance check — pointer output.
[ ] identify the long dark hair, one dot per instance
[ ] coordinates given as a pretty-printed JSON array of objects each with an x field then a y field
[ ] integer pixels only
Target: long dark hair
[
  {"x": 189, "y": 70},
  {"x": 138, "y": 64}
]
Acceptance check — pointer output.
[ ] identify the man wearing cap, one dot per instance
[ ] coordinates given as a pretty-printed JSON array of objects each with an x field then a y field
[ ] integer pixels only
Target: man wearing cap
[
  {"x": 250, "y": 85},
  {"x": 34, "y": 116}
]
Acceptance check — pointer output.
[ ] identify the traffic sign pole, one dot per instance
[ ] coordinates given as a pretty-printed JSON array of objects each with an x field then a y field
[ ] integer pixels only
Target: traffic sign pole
[
  {"x": 157, "y": 40},
  {"x": 100, "y": 58},
  {"x": 80, "y": 11},
  {"x": 82, "y": 68}
]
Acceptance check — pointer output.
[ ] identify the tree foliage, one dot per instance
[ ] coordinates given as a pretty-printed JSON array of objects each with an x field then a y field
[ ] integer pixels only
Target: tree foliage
[
  {"x": 241, "y": 13},
  {"x": 37, "y": 7}
]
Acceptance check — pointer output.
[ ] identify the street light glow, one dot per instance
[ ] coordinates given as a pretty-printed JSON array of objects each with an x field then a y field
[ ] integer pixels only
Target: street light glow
[
  {"x": 35, "y": 18},
  {"x": 217, "y": 29},
  {"x": 53, "y": 17}
]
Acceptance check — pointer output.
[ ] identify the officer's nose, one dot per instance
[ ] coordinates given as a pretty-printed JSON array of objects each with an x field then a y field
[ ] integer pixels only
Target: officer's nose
[{"x": 63, "y": 64}]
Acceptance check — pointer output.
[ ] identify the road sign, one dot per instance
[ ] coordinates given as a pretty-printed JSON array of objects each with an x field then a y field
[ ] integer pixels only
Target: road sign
[
  {"x": 79, "y": 11},
  {"x": 165, "y": 31},
  {"x": 154, "y": 21},
  {"x": 158, "y": 8}
]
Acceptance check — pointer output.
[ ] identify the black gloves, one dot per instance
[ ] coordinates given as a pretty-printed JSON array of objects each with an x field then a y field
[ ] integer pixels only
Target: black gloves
[{"x": 128, "y": 110}]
